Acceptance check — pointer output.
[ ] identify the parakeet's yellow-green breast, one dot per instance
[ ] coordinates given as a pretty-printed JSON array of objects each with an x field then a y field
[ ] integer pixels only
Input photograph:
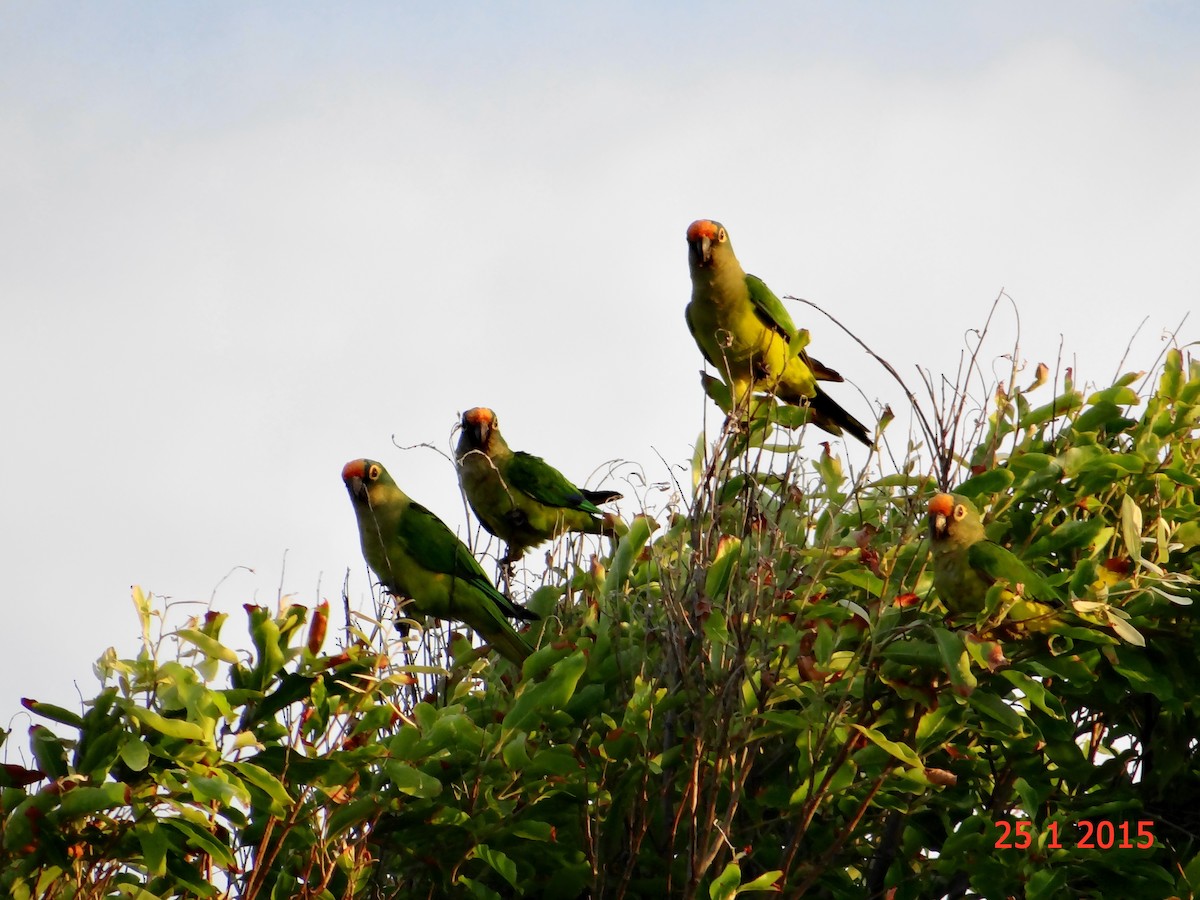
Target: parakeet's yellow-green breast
[
  {"x": 744, "y": 330},
  {"x": 519, "y": 497},
  {"x": 416, "y": 556},
  {"x": 966, "y": 563}
]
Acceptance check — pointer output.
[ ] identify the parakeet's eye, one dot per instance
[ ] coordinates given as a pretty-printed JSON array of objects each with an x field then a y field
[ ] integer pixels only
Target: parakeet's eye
[
  {"x": 720, "y": 235},
  {"x": 373, "y": 472},
  {"x": 959, "y": 512}
]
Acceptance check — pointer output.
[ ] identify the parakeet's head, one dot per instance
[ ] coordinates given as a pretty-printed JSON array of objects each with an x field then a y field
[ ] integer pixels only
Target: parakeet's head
[
  {"x": 478, "y": 426},
  {"x": 707, "y": 241},
  {"x": 360, "y": 476},
  {"x": 952, "y": 517}
]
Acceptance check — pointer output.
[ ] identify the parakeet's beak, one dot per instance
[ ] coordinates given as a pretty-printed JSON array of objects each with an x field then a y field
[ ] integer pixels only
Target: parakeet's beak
[
  {"x": 937, "y": 525},
  {"x": 352, "y": 477},
  {"x": 700, "y": 250},
  {"x": 357, "y": 487},
  {"x": 478, "y": 432}
]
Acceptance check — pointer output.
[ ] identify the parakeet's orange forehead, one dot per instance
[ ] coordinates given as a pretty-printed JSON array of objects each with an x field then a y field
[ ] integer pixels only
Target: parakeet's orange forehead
[
  {"x": 941, "y": 505},
  {"x": 479, "y": 415},
  {"x": 703, "y": 228},
  {"x": 354, "y": 469}
]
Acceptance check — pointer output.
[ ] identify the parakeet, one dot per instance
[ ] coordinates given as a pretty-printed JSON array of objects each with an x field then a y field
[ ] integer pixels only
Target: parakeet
[
  {"x": 517, "y": 496},
  {"x": 966, "y": 563},
  {"x": 416, "y": 556},
  {"x": 743, "y": 329}
]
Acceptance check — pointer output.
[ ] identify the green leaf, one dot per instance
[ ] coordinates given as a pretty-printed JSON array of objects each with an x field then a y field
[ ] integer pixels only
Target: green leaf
[
  {"x": 218, "y": 787},
  {"x": 718, "y": 392},
  {"x": 902, "y": 752},
  {"x": 1070, "y": 535},
  {"x": 1187, "y": 534},
  {"x": 628, "y": 549},
  {"x": 533, "y": 831},
  {"x": 862, "y": 578},
  {"x": 499, "y": 862},
  {"x": 793, "y": 417},
  {"x": 956, "y": 661},
  {"x": 81, "y": 801},
  {"x": 1035, "y": 692},
  {"x": 203, "y": 840},
  {"x": 176, "y": 728},
  {"x": 992, "y": 706},
  {"x": 480, "y": 891},
  {"x": 725, "y": 885},
  {"x": 937, "y": 726},
  {"x": 412, "y": 781},
  {"x": 551, "y": 694},
  {"x": 152, "y": 838},
  {"x": 716, "y": 628},
  {"x": 1131, "y": 526},
  {"x": 716, "y": 582},
  {"x": 54, "y": 713},
  {"x": 207, "y": 645},
  {"x": 260, "y": 778},
  {"x": 986, "y": 483},
  {"x": 798, "y": 342},
  {"x": 1118, "y": 395},
  {"x": 48, "y": 751},
  {"x": 1060, "y": 405},
  {"x": 134, "y": 753},
  {"x": 764, "y": 882}
]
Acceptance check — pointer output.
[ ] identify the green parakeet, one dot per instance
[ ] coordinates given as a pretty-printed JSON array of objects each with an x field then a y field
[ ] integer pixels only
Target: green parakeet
[
  {"x": 743, "y": 329},
  {"x": 416, "y": 556},
  {"x": 966, "y": 563},
  {"x": 519, "y": 497}
]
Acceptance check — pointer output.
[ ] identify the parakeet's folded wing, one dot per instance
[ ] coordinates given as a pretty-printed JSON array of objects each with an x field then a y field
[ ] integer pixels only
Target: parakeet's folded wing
[
  {"x": 769, "y": 308},
  {"x": 998, "y": 563},
  {"x": 433, "y": 546},
  {"x": 535, "y": 477}
]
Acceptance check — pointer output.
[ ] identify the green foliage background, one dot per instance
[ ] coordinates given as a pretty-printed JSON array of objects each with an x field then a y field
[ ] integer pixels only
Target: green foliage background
[{"x": 756, "y": 692}]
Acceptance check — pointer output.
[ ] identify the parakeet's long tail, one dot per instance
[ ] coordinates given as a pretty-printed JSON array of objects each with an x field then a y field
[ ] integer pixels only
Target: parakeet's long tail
[
  {"x": 827, "y": 414},
  {"x": 508, "y": 644},
  {"x": 599, "y": 497}
]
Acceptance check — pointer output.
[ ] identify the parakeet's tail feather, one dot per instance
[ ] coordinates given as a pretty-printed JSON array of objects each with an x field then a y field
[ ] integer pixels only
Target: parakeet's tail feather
[
  {"x": 516, "y": 611},
  {"x": 509, "y": 644},
  {"x": 599, "y": 497},
  {"x": 822, "y": 372},
  {"x": 827, "y": 414}
]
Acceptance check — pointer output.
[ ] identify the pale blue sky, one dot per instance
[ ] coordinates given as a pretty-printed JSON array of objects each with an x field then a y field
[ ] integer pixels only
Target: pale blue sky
[{"x": 242, "y": 245}]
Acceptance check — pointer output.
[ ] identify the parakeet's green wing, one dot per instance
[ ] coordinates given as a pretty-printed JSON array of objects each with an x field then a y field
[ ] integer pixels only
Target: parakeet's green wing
[
  {"x": 769, "y": 308},
  {"x": 432, "y": 545},
  {"x": 995, "y": 562},
  {"x": 532, "y": 475},
  {"x": 687, "y": 314}
]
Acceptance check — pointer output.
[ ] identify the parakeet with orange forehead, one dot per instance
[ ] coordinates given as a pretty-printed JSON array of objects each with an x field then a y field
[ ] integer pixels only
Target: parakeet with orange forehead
[
  {"x": 518, "y": 497},
  {"x": 416, "y": 556},
  {"x": 966, "y": 563},
  {"x": 743, "y": 329}
]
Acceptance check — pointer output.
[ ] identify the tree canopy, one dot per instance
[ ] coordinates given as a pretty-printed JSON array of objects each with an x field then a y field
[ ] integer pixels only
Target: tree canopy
[{"x": 757, "y": 691}]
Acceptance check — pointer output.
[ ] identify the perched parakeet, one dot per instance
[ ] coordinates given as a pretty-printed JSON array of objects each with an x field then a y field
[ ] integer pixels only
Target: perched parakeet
[
  {"x": 416, "y": 556},
  {"x": 743, "y": 329},
  {"x": 966, "y": 563},
  {"x": 519, "y": 497}
]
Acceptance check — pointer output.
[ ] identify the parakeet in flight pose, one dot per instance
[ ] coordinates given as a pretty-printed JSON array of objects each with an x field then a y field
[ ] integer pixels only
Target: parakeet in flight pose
[
  {"x": 743, "y": 329},
  {"x": 518, "y": 497},
  {"x": 416, "y": 556},
  {"x": 966, "y": 563}
]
